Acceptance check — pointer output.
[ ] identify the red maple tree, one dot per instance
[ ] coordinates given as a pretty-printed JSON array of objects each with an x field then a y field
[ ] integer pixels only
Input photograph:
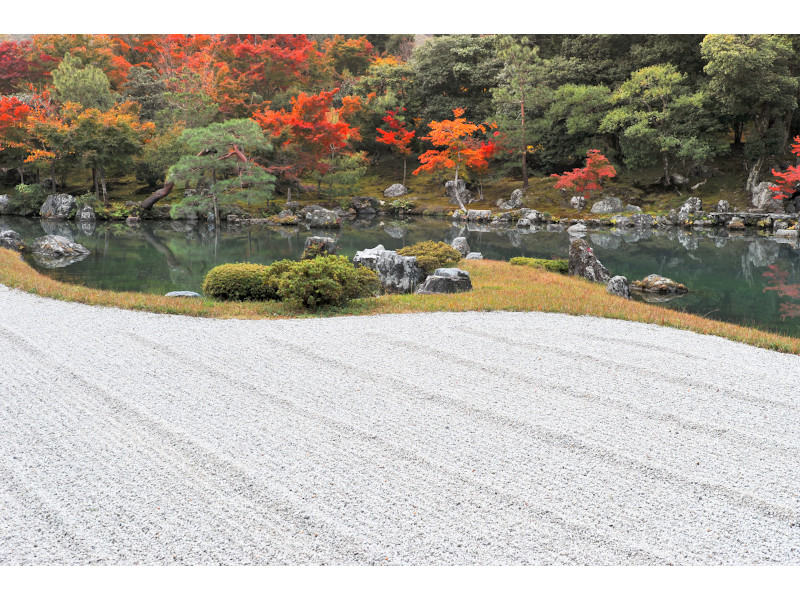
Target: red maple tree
[
  {"x": 397, "y": 137},
  {"x": 456, "y": 143},
  {"x": 788, "y": 180},
  {"x": 588, "y": 179}
]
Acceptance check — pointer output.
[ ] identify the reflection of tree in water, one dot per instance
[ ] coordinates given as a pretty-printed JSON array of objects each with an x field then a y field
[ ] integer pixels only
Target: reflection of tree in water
[
  {"x": 777, "y": 280},
  {"x": 156, "y": 243}
]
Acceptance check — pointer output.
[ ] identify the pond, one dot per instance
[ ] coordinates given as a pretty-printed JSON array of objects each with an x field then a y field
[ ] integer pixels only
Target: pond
[{"x": 745, "y": 278}]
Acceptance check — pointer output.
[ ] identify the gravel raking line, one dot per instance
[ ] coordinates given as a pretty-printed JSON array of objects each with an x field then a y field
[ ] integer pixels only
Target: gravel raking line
[{"x": 427, "y": 439}]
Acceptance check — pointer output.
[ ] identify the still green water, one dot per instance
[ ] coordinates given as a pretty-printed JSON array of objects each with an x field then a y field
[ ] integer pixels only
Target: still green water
[{"x": 743, "y": 278}]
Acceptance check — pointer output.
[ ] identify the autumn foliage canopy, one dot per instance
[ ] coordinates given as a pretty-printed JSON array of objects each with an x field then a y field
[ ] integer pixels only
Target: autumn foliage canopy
[
  {"x": 788, "y": 180},
  {"x": 588, "y": 179}
]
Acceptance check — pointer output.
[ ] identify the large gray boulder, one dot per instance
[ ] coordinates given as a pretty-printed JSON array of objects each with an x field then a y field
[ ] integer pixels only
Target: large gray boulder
[
  {"x": 323, "y": 218},
  {"x": 451, "y": 188},
  {"x": 365, "y": 205},
  {"x": 657, "y": 284},
  {"x": 460, "y": 244},
  {"x": 764, "y": 200},
  {"x": 11, "y": 240},
  {"x": 395, "y": 190},
  {"x": 638, "y": 220},
  {"x": 609, "y": 204},
  {"x": 584, "y": 263},
  {"x": 618, "y": 285},
  {"x": 577, "y": 202},
  {"x": 723, "y": 206},
  {"x": 56, "y": 245},
  {"x": 4, "y": 201},
  {"x": 398, "y": 274},
  {"x": 58, "y": 206},
  {"x": 512, "y": 204},
  {"x": 446, "y": 281},
  {"x": 479, "y": 215},
  {"x": 327, "y": 245},
  {"x": 85, "y": 213}
]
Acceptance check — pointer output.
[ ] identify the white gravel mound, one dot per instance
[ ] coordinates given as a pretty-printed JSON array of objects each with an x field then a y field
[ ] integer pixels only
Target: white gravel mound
[{"x": 431, "y": 439}]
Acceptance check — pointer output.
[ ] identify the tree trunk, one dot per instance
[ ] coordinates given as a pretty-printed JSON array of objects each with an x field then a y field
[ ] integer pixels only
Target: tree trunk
[
  {"x": 216, "y": 214},
  {"x": 156, "y": 196},
  {"x": 737, "y": 132},
  {"x": 21, "y": 175},
  {"x": 404, "y": 171},
  {"x": 754, "y": 175},
  {"x": 524, "y": 147},
  {"x": 667, "y": 178},
  {"x": 53, "y": 175},
  {"x": 455, "y": 191},
  {"x": 103, "y": 185},
  {"x": 96, "y": 183}
]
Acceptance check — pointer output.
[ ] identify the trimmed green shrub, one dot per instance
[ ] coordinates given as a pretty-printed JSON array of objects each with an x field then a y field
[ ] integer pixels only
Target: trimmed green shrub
[
  {"x": 26, "y": 200},
  {"x": 326, "y": 280},
  {"x": 238, "y": 281},
  {"x": 556, "y": 266},
  {"x": 432, "y": 255}
]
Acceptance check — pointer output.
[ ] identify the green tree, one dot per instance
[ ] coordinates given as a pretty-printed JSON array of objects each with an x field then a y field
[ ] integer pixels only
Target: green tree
[
  {"x": 87, "y": 86},
  {"x": 518, "y": 75},
  {"x": 753, "y": 83},
  {"x": 218, "y": 164},
  {"x": 659, "y": 120},
  {"x": 105, "y": 139},
  {"x": 147, "y": 89},
  {"x": 452, "y": 71}
]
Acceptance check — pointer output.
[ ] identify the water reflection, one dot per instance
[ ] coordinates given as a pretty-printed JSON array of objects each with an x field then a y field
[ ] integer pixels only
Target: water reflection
[{"x": 741, "y": 277}]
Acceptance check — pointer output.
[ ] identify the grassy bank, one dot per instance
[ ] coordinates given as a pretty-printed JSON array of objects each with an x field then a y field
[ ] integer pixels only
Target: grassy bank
[{"x": 497, "y": 286}]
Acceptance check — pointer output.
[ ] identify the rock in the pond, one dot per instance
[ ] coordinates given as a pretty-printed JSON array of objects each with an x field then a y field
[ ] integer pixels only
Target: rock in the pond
[
  {"x": 474, "y": 256},
  {"x": 577, "y": 202},
  {"x": 395, "y": 190},
  {"x": 764, "y": 199},
  {"x": 131, "y": 220},
  {"x": 656, "y": 284},
  {"x": 577, "y": 229},
  {"x": 398, "y": 274},
  {"x": 365, "y": 205},
  {"x": 637, "y": 220},
  {"x": 479, "y": 215},
  {"x": 4, "y": 201},
  {"x": 56, "y": 245},
  {"x": 451, "y": 188},
  {"x": 182, "y": 294},
  {"x": 327, "y": 245},
  {"x": 584, "y": 263},
  {"x": 446, "y": 281},
  {"x": 11, "y": 240},
  {"x": 618, "y": 285},
  {"x": 609, "y": 204},
  {"x": 85, "y": 213},
  {"x": 692, "y": 206},
  {"x": 736, "y": 223},
  {"x": 323, "y": 218},
  {"x": 787, "y": 233},
  {"x": 58, "y": 206},
  {"x": 723, "y": 206},
  {"x": 632, "y": 208},
  {"x": 534, "y": 216},
  {"x": 460, "y": 244},
  {"x": 523, "y": 223}
]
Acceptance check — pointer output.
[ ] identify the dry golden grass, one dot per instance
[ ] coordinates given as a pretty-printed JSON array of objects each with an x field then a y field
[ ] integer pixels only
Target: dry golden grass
[{"x": 497, "y": 286}]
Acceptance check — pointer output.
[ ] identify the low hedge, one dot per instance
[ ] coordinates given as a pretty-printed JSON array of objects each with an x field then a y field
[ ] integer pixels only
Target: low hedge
[
  {"x": 308, "y": 283},
  {"x": 556, "y": 266},
  {"x": 432, "y": 255}
]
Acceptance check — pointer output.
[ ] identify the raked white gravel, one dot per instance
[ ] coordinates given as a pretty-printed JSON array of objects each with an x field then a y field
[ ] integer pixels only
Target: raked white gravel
[{"x": 427, "y": 439}]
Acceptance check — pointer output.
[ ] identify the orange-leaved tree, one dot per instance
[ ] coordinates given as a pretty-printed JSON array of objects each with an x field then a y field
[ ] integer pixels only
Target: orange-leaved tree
[
  {"x": 455, "y": 139},
  {"x": 310, "y": 134},
  {"x": 788, "y": 180},
  {"x": 588, "y": 179},
  {"x": 397, "y": 137}
]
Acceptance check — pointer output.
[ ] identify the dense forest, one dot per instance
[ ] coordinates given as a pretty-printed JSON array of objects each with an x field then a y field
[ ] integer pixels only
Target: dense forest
[{"x": 246, "y": 118}]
